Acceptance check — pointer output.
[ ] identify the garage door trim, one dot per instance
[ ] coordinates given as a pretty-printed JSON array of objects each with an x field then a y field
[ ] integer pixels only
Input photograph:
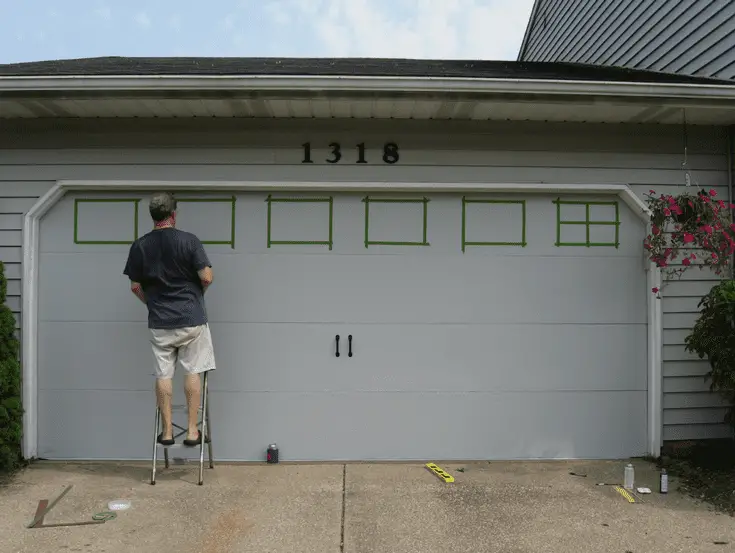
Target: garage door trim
[{"x": 31, "y": 225}]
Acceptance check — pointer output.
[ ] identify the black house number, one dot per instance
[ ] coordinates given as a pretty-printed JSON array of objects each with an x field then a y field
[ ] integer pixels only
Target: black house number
[{"x": 390, "y": 153}]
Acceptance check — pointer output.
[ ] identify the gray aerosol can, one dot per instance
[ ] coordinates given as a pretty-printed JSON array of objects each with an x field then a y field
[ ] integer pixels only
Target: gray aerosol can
[{"x": 664, "y": 482}]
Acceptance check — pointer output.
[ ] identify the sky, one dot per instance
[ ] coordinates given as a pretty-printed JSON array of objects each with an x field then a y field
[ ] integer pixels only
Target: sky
[{"x": 32, "y": 30}]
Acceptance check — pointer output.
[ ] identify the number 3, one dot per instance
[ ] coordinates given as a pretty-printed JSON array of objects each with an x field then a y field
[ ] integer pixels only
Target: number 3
[{"x": 335, "y": 152}]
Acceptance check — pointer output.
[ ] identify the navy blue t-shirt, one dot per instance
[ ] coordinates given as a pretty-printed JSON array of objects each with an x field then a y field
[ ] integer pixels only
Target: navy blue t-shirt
[{"x": 165, "y": 262}]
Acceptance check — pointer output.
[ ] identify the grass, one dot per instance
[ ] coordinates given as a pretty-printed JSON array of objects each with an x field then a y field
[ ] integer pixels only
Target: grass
[{"x": 705, "y": 471}]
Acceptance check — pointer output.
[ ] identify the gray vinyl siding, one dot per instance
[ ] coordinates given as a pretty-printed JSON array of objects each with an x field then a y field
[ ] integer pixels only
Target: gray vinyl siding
[
  {"x": 694, "y": 37},
  {"x": 646, "y": 157}
]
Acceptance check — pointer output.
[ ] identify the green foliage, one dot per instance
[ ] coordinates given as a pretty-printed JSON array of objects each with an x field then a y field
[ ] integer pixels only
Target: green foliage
[
  {"x": 713, "y": 337},
  {"x": 11, "y": 411}
]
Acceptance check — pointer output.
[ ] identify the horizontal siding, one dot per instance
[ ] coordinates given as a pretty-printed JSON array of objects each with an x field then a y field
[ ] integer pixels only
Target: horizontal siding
[
  {"x": 33, "y": 156},
  {"x": 676, "y": 432},
  {"x": 692, "y": 38}
]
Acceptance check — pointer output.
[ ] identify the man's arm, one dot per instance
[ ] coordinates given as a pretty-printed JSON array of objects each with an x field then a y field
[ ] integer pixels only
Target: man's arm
[
  {"x": 206, "y": 277},
  {"x": 202, "y": 265},
  {"x": 137, "y": 289},
  {"x": 133, "y": 272}
]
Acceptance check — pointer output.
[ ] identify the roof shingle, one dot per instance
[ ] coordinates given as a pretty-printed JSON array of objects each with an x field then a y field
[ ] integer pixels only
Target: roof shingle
[{"x": 368, "y": 67}]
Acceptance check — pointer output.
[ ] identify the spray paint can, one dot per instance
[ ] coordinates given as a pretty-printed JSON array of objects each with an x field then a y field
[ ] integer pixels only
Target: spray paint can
[
  {"x": 272, "y": 454},
  {"x": 629, "y": 477},
  {"x": 664, "y": 482}
]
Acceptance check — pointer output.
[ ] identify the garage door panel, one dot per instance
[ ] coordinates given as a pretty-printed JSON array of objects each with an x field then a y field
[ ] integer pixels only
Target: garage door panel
[
  {"x": 87, "y": 287},
  {"x": 333, "y": 288},
  {"x": 323, "y": 288},
  {"x": 495, "y": 357},
  {"x": 301, "y": 357},
  {"x": 414, "y": 426},
  {"x": 95, "y": 424},
  {"x": 94, "y": 356},
  {"x": 357, "y": 426}
]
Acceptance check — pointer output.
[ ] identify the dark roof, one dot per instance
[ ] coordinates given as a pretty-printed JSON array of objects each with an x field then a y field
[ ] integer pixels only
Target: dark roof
[{"x": 123, "y": 66}]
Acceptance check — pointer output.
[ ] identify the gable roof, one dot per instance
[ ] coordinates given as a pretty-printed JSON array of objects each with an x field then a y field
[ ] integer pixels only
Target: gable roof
[
  {"x": 529, "y": 28},
  {"x": 335, "y": 67}
]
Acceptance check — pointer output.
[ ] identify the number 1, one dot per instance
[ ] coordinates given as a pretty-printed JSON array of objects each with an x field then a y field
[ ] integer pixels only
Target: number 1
[
  {"x": 307, "y": 152},
  {"x": 361, "y": 153}
]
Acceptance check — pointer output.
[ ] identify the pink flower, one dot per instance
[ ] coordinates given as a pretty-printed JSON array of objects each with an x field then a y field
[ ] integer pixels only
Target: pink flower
[
  {"x": 654, "y": 290},
  {"x": 656, "y": 230},
  {"x": 672, "y": 200},
  {"x": 707, "y": 229},
  {"x": 713, "y": 192},
  {"x": 688, "y": 238},
  {"x": 667, "y": 212},
  {"x": 721, "y": 203},
  {"x": 686, "y": 262}
]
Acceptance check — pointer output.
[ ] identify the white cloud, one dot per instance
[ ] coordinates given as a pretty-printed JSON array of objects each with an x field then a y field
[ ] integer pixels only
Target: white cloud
[
  {"x": 473, "y": 29},
  {"x": 143, "y": 20}
]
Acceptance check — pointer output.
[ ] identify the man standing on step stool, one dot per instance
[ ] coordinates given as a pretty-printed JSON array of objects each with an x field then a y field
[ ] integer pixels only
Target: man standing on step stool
[{"x": 169, "y": 272}]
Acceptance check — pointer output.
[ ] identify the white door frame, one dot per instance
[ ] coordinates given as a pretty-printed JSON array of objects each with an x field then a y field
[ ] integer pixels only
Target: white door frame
[{"x": 32, "y": 219}]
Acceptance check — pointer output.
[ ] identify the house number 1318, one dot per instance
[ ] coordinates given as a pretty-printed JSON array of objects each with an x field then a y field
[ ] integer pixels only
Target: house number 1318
[{"x": 390, "y": 153}]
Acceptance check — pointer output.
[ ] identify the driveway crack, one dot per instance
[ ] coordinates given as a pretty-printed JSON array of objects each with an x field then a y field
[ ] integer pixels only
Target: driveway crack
[{"x": 342, "y": 525}]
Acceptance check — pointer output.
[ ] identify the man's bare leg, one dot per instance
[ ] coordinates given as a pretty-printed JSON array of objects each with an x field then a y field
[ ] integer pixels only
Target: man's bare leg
[
  {"x": 164, "y": 391},
  {"x": 192, "y": 388}
]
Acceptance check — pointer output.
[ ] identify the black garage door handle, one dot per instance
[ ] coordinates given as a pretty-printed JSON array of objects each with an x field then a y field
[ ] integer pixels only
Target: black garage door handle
[
  {"x": 337, "y": 353},
  {"x": 349, "y": 342}
]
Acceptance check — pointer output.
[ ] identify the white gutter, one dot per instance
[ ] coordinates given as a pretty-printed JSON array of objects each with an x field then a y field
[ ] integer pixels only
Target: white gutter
[
  {"x": 439, "y": 85},
  {"x": 33, "y": 217}
]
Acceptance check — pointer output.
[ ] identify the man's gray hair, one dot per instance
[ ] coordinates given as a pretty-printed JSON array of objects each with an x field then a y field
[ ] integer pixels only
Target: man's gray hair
[{"x": 162, "y": 205}]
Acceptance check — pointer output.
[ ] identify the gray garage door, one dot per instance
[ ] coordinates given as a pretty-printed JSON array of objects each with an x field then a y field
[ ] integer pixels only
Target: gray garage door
[{"x": 466, "y": 344}]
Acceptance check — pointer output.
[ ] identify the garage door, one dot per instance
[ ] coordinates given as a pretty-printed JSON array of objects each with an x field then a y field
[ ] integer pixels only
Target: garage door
[{"x": 478, "y": 327}]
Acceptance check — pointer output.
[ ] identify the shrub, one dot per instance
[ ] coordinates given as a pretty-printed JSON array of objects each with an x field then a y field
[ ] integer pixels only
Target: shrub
[
  {"x": 11, "y": 412},
  {"x": 713, "y": 337}
]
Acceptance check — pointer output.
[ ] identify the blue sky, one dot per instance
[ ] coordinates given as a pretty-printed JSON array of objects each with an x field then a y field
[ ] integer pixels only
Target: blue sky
[{"x": 477, "y": 29}]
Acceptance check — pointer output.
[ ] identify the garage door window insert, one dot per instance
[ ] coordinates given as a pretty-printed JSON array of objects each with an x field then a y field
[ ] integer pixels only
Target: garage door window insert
[{"x": 588, "y": 224}]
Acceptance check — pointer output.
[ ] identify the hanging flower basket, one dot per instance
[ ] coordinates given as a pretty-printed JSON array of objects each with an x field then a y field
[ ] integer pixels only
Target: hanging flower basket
[{"x": 690, "y": 229}]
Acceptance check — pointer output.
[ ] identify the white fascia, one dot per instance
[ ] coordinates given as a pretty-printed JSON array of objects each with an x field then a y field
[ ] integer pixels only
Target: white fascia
[
  {"x": 33, "y": 217},
  {"x": 705, "y": 92}
]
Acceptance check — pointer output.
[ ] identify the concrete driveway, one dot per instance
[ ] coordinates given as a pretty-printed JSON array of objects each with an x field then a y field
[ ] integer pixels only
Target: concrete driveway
[{"x": 358, "y": 508}]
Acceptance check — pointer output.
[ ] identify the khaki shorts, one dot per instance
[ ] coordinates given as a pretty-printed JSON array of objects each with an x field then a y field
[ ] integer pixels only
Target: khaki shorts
[{"x": 191, "y": 347}]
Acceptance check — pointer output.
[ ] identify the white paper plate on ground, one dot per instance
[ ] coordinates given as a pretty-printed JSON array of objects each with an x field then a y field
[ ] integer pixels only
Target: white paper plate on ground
[{"x": 118, "y": 505}]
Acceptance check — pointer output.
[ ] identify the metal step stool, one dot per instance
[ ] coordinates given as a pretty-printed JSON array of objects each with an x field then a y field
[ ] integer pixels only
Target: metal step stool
[{"x": 203, "y": 425}]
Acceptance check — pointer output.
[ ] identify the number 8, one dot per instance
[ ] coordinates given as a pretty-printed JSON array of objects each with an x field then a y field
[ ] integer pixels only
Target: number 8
[{"x": 390, "y": 153}]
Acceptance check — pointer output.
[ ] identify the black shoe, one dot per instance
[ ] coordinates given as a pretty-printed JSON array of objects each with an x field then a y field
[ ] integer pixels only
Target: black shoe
[
  {"x": 165, "y": 442},
  {"x": 192, "y": 443}
]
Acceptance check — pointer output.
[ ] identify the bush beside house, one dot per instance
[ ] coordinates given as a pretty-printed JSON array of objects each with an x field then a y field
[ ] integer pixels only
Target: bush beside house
[{"x": 11, "y": 412}]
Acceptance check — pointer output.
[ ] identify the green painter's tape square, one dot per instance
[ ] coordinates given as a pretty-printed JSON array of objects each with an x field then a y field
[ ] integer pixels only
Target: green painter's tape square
[{"x": 105, "y": 221}]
